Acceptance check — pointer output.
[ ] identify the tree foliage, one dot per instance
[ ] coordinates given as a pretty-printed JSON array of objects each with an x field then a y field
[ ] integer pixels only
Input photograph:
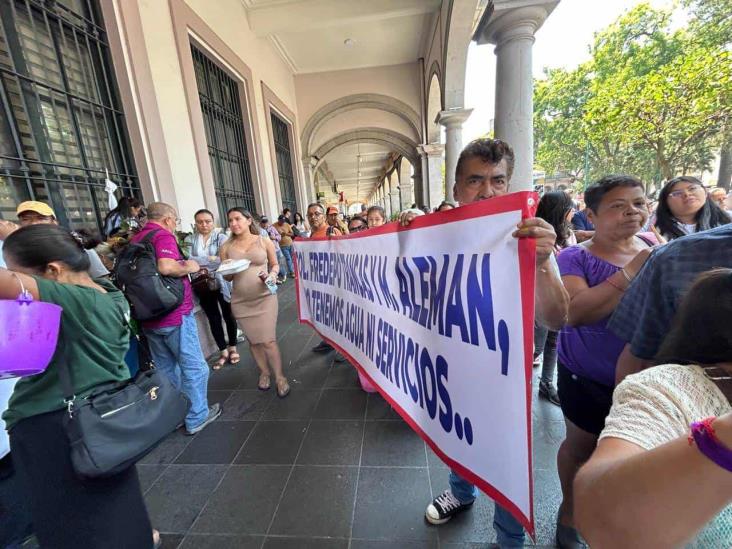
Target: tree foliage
[{"x": 651, "y": 101}]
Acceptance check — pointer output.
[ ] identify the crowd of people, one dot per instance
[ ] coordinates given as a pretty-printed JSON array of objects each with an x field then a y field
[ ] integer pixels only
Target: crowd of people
[{"x": 631, "y": 333}]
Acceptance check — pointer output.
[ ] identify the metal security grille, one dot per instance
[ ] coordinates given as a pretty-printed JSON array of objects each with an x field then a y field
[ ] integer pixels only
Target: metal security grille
[
  {"x": 227, "y": 145},
  {"x": 61, "y": 124},
  {"x": 280, "y": 131}
]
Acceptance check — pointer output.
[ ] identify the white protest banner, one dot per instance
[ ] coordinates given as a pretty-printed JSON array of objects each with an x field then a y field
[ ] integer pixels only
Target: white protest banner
[{"x": 439, "y": 317}]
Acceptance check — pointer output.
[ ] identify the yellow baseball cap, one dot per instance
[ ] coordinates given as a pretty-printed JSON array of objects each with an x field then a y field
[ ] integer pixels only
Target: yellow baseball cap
[{"x": 32, "y": 206}]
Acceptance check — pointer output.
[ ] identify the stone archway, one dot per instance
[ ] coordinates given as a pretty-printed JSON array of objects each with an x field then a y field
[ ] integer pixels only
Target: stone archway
[
  {"x": 353, "y": 102},
  {"x": 457, "y": 41},
  {"x": 389, "y": 138}
]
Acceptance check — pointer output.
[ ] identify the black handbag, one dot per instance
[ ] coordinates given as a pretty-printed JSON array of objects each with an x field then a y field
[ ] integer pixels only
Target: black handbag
[{"x": 119, "y": 422}]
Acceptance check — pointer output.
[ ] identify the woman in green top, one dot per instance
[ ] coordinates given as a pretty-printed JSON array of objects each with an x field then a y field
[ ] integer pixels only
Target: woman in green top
[{"x": 69, "y": 512}]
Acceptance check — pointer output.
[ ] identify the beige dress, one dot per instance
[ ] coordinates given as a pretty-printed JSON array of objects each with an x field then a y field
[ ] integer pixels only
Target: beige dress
[{"x": 254, "y": 307}]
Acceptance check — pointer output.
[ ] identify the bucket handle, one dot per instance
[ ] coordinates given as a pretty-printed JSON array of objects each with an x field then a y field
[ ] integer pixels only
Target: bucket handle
[{"x": 25, "y": 296}]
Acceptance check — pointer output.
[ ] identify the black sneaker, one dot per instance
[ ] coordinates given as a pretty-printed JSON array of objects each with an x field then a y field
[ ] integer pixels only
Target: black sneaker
[
  {"x": 322, "y": 347},
  {"x": 214, "y": 411},
  {"x": 549, "y": 392},
  {"x": 444, "y": 507}
]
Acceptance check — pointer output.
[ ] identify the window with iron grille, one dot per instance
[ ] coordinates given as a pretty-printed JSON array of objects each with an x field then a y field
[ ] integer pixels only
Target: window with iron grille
[
  {"x": 62, "y": 128},
  {"x": 281, "y": 135},
  {"x": 227, "y": 145}
]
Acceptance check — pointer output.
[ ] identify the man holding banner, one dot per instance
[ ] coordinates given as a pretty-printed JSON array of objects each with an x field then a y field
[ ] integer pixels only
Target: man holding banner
[
  {"x": 439, "y": 317},
  {"x": 484, "y": 171}
]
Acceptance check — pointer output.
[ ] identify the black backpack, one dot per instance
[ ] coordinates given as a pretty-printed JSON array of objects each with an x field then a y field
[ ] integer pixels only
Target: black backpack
[{"x": 151, "y": 295}]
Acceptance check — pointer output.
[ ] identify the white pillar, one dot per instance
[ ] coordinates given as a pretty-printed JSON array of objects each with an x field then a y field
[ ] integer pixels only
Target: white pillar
[
  {"x": 512, "y": 31},
  {"x": 453, "y": 120},
  {"x": 435, "y": 187},
  {"x": 406, "y": 189}
]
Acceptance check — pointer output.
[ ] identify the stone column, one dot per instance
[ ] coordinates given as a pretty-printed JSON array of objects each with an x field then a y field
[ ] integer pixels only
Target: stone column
[
  {"x": 512, "y": 31},
  {"x": 406, "y": 189},
  {"x": 453, "y": 120},
  {"x": 435, "y": 187},
  {"x": 394, "y": 200},
  {"x": 417, "y": 182}
]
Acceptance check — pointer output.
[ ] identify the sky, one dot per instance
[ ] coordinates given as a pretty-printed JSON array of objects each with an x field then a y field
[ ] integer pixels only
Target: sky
[{"x": 562, "y": 42}]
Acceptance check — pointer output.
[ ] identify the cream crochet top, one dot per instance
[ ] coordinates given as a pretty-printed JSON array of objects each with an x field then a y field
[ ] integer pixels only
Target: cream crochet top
[{"x": 656, "y": 406}]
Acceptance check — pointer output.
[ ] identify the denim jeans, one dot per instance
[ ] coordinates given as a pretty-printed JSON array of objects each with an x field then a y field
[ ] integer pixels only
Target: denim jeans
[
  {"x": 509, "y": 532},
  {"x": 545, "y": 341},
  {"x": 177, "y": 353},
  {"x": 281, "y": 262},
  {"x": 287, "y": 252}
]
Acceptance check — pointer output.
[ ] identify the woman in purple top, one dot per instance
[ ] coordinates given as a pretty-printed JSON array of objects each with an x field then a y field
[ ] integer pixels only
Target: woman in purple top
[{"x": 595, "y": 274}]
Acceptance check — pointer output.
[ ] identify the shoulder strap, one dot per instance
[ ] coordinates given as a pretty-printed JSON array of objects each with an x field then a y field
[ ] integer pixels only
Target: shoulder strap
[{"x": 148, "y": 236}]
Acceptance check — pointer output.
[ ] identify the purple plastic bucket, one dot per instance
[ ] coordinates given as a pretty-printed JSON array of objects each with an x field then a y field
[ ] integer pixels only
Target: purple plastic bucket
[{"x": 28, "y": 335}]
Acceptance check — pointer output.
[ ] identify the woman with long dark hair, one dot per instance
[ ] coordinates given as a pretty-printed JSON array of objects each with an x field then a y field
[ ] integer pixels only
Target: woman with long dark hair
[
  {"x": 253, "y": 304},
  {"x": 125, "y": 217},
  {"x": 646, "y": 485},
  {"x": 68, "y": 512},
  {"x": 555, "y": 208},
  {"x": 685, "y": 207}
]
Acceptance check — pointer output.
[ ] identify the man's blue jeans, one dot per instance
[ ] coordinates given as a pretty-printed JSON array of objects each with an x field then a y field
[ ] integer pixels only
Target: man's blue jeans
[
  {"x": 509, "y": 531},
  {"x": 177, "y": 353},
  {"x": 287, "y": 252}
]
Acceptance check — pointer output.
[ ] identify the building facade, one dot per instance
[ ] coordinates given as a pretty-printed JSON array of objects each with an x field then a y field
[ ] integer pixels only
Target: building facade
[{"x": 264, "y": 104}]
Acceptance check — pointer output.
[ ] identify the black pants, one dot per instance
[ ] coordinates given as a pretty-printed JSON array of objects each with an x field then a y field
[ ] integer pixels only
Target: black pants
[
  {"x": 15, "y": 514},
  {"x": 215, "y": 306},
  {"x": 70, "y": 513}
]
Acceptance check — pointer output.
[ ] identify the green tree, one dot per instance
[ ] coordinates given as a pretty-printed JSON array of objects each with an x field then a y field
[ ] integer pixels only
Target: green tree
[{"x": 650, "y": 101}]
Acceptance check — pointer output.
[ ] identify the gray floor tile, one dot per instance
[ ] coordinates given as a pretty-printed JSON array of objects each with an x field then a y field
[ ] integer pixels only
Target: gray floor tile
[
  {"x": 210, "y": 541},
  {"x": 244, "y": 502},
  {"x": 385, "y": 544},
  {"x": 228, "y": 378},
  {"x": 433, "y": 460},
  {"x": 318, "y": 501},
  {"x": 273, "y": 443},
  {"x": 148, "y": 474},
  {"x": 246, "y": 404},
  {"x": 180, "y": 493},
  {"x": 378, "y": 408},
  {"x": 169, "y": 449},
  {"x": 171, "y": 541},
  {"x": 305, "y": 543},
  {"x": 219, "y": 396},
  {"x": 300, "y": 404},
  {"x": 392, "y": 443},
  {"x": 311, "y": 371},
  {"x": 341, "y": 404},
  {"x": 332, "y": 443},
  {"x": 342, "y": 375},
  {"x": 217, "y": 443},
  {"x": 390, "y": 505},
  {"x": 547, "y": 497}
]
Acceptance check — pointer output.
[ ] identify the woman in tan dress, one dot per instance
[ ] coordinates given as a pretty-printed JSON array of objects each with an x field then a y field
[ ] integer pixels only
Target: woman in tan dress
[{"x": 253, "y": 305}]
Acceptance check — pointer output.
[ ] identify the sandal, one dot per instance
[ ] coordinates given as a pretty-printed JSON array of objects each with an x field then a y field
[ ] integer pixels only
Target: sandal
[
  {"x": 283, "y": 388},
  {"x": 221, "y": 361},
  {"x": 234, "y": 357},
  {"x": 264, "y": 382}
]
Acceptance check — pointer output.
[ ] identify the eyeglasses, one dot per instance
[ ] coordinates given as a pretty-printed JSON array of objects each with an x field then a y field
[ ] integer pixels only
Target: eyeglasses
[
  {"x": 357, "y": 228},
  {"x": 315, "y": 214},
  {"x": 691, "y": 189}
]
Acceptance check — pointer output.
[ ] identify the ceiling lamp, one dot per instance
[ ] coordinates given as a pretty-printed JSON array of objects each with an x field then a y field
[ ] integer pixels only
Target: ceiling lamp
[{"x": 349, "y": 42}]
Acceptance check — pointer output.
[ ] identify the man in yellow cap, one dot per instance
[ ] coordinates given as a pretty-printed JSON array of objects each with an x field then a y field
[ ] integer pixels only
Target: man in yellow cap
[{"x": 32, "y": 212}]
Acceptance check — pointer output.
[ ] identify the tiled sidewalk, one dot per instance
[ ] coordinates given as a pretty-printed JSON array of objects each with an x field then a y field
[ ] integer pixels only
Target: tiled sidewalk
[{"x": 328, "y": 467}]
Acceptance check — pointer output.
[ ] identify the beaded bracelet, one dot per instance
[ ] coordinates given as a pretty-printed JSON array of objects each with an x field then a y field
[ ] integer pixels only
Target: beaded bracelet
[{"x": 702, "y": 433}]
